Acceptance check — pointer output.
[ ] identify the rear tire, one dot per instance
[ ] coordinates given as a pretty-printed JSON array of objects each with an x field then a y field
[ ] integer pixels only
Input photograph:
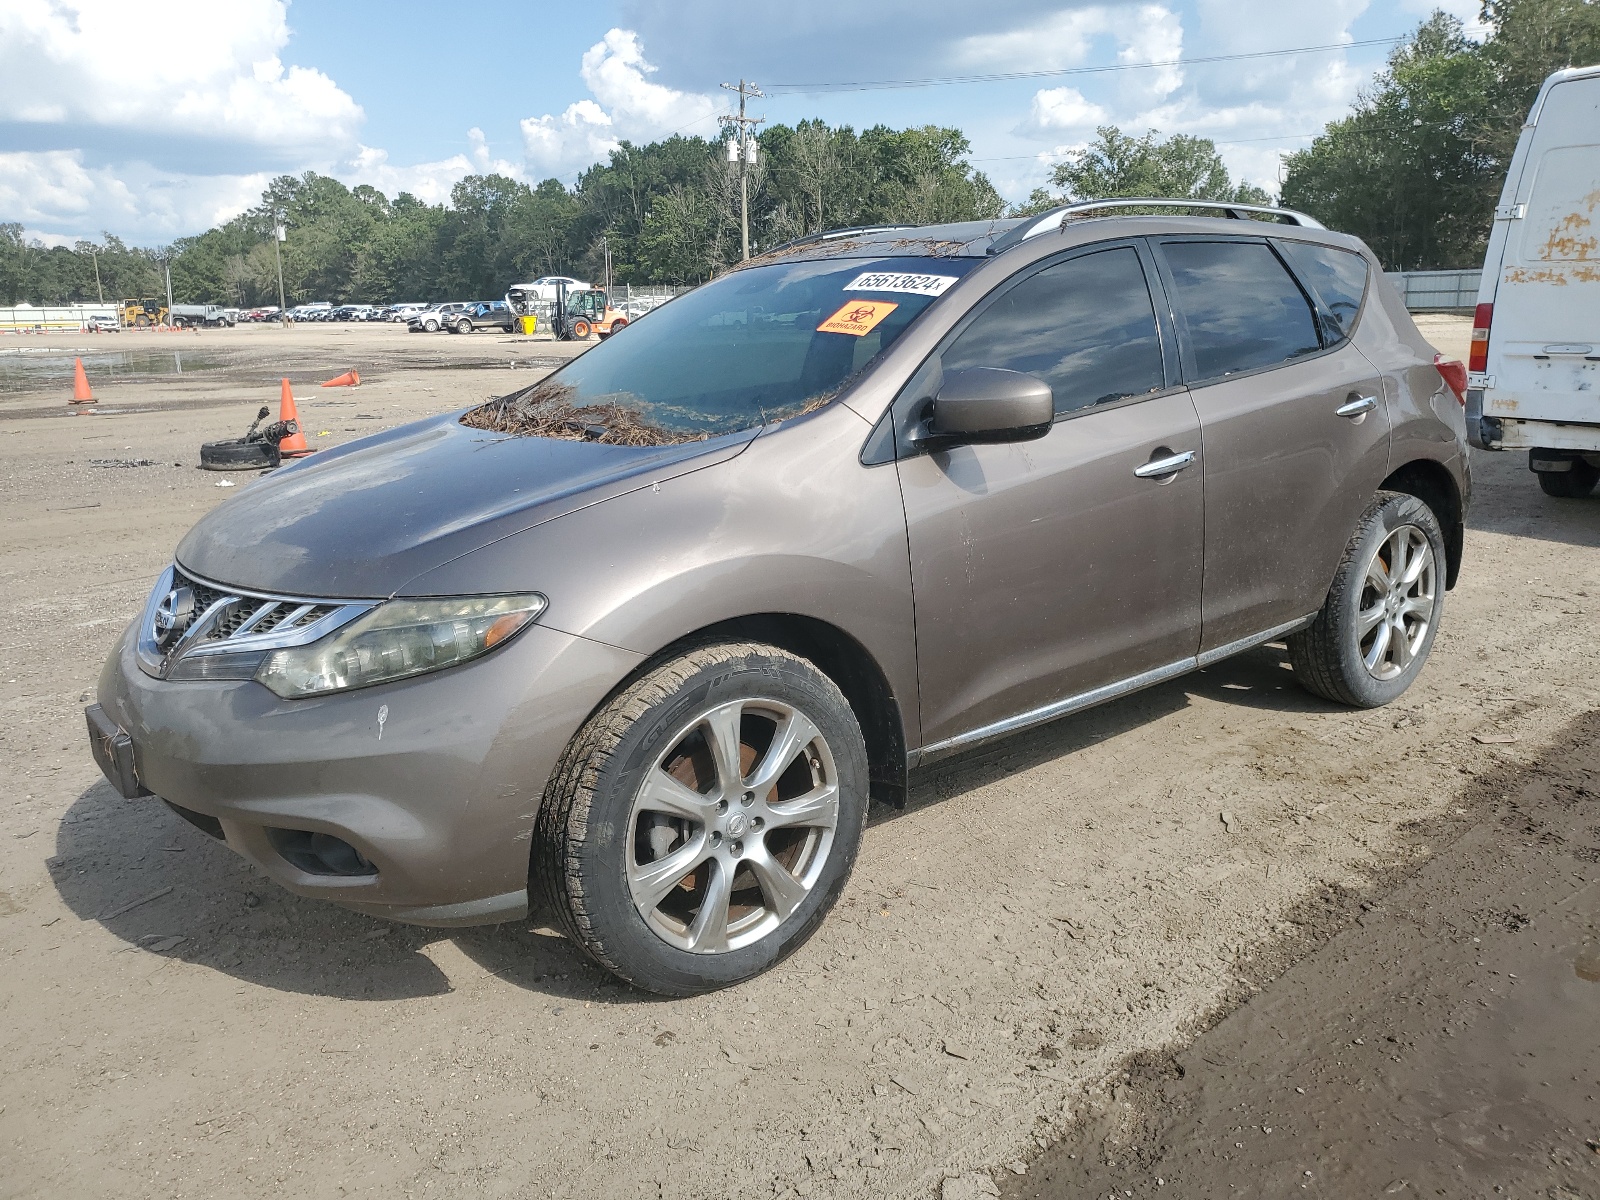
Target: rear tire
[
  {"x": 1373, "y": 633},
  {"x": 1573, "y": 484},
  {"x": 699, "y": 827}
]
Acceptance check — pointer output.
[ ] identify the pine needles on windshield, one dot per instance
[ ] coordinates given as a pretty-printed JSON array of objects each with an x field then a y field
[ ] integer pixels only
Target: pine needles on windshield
[{"x": 546, "y": 410}]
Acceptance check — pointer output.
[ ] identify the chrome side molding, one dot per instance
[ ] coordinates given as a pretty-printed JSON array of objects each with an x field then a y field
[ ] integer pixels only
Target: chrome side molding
[{"x": 1100, "y": 695}]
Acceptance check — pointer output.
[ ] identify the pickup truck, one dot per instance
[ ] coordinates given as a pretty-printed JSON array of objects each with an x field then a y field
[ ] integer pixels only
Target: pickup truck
[{"x": 490, "y": 314}]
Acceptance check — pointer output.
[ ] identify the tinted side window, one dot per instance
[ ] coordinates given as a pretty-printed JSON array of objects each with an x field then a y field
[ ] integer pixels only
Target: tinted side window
[
  {"x": 1241, "y": 308},
  {"x": 1339, "y": 277},
  {"x": 1085, "y": 326}
]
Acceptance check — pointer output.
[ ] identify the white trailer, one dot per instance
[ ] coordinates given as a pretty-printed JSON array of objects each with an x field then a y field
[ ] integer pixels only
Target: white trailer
[
  {"x": 1534, "y": 370},
  {"x": 65, "y": 318}
]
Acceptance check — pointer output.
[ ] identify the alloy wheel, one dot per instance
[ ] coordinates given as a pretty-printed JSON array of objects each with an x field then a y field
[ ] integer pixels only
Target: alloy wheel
[
  {"x": 732, "y": 827},
  {"x": 1397, "y": 603}
]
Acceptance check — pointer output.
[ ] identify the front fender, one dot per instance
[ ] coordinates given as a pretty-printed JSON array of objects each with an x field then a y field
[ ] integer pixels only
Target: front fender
[{"x": 794, "y": 525}]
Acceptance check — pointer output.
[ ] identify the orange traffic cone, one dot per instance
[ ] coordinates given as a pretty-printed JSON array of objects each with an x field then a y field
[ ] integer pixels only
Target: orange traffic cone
[
  {"x": 80, "y": 385},
  {"x": 348, "y": 379},
  {"x": 293, "y": 446}
]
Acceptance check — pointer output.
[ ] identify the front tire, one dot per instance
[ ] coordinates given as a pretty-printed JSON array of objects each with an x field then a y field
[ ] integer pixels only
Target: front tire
[
  {"x": 1373, "y": 633},
  {"x": 700, "y": 826}
]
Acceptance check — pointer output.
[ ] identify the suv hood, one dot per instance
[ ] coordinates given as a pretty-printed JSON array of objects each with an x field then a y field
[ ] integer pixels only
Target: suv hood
[{"x": 362, "y": 520}]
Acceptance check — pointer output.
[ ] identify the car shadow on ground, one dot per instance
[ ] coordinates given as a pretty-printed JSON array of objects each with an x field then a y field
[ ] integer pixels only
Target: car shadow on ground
[
  {"x": 1507, "y": 500},
  {"x": 1260, "y": 678},
  {"x": 165, "y": 888}
]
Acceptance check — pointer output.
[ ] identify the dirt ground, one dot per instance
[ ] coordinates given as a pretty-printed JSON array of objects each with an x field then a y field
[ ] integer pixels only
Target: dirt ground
[{"x": 1042, "y": 915}]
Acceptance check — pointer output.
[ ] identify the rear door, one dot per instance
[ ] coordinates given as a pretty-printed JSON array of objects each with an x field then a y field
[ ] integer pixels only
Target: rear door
[
  {"x": 1295, "y": 429},
  {"x": 1544, "y": 343},
  {"x": 1042, "y": 570}
]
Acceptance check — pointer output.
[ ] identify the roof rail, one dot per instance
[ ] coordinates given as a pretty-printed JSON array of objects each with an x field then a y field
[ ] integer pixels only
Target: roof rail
[{"x": 1057, "y": 218}]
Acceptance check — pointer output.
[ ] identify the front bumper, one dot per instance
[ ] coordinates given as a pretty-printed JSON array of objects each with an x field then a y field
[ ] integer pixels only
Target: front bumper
[{"x": 439, "y": 797}]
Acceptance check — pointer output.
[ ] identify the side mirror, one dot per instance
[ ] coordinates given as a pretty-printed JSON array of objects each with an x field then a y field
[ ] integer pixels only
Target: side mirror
[{"x": 987, "y": 404}]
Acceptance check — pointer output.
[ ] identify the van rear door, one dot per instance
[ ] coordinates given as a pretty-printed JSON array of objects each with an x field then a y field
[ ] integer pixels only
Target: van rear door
[{"x": 1544, "y": 342}]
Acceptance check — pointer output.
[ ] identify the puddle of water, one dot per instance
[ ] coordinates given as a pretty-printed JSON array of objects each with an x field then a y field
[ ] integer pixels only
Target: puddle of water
[{"x": 25, "y": 369}]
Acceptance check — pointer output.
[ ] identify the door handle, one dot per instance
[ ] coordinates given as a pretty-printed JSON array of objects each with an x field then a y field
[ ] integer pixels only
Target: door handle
[
  {"x": 1356, "y": 408},
  {"x": 1170, "y": 465}
]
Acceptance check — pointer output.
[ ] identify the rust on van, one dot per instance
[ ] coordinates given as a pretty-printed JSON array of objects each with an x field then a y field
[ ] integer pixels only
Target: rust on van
[{"x": 1572, "y": 238}]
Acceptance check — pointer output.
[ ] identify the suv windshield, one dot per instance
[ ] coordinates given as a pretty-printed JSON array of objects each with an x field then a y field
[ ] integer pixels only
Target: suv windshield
[{"x": 755, "y": 346}]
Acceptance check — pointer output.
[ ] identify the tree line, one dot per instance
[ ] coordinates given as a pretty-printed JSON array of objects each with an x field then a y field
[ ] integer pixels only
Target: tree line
[
  {"x": 667, "y": 212},
  {"x": 1414, "y": 169}
]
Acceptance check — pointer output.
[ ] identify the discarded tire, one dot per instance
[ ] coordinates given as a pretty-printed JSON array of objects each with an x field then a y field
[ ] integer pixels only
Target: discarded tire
[{"x": 236, "y": 454}]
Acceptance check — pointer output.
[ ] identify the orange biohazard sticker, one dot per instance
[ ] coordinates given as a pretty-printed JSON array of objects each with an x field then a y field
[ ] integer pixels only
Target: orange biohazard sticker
[{"x": 858, "y": 318}]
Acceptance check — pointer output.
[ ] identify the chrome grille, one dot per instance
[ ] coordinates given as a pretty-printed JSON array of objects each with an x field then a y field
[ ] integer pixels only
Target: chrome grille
[
  {"x": 227, "y": 632},
  {"x": 246, "y": 614}
]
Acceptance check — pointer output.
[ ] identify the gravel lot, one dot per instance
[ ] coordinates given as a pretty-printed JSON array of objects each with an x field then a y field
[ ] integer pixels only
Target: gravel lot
[{"x": 1041, "y": 912}]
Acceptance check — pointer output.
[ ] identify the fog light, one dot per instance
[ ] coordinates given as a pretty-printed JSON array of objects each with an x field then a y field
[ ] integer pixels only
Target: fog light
[{"x": 319, "y": 853}]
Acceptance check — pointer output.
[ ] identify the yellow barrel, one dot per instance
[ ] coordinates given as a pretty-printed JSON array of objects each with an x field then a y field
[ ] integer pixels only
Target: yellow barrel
[{"x": 528, "y": 324}]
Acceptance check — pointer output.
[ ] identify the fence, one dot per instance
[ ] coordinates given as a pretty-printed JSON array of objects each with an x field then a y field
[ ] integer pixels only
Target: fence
[
  {"x": 636, "y": 301},
  {"x": 69, "y": 318},
  {"x": 1437, "y": 291}
]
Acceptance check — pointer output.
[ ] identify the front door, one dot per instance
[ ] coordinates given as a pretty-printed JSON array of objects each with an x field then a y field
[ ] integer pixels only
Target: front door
[
  {"x": 1043, "y": 570},
  {"x": 1295, "y": 428}
]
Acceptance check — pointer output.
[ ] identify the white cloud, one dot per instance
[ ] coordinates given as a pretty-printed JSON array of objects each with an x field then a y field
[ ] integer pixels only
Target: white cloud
[
  {"x": 194, "y": 69},
  {"x": 155, "y": 124},
  {"x": 1064, "y": 108},
  {"x": 58, "y": 193},
  {"x": 626, "y": 107},
  {"x": 1254, "y": 108}
]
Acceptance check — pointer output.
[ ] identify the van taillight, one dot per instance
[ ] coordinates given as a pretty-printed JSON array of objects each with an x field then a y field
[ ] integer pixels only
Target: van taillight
[
  {"x": 1478, "y": 357},
  {"x": 1454, "y": 374}
]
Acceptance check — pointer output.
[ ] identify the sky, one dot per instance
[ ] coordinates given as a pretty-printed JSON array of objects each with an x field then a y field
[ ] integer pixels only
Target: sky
[{"x": 157, "y": 120}]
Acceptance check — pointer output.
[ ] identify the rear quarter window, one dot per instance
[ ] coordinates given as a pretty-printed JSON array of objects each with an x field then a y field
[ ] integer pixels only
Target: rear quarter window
[{"x": 1339, "y": 278}]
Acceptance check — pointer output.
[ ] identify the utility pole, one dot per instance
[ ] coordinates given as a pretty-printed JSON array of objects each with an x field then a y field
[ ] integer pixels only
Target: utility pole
[
  {"x": 167, "y": 263},
  {"x": 744, "y": 149},
  {"x": 99, "y": 291},
  {"x": 279, "y": 233}
]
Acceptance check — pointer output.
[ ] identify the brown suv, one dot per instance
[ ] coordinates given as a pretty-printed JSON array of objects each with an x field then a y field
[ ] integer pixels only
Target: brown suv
[{"x": 641, "y": 640}]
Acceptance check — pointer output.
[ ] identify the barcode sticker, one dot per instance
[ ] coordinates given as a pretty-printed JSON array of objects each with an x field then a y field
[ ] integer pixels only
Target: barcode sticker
[{"x": 894, "y": 281}]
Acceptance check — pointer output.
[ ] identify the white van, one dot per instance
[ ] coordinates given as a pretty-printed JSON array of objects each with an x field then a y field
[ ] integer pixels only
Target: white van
[{"x": 1534, "y": 371}]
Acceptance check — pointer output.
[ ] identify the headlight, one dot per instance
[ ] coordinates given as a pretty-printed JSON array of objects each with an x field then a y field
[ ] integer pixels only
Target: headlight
[{"x": 399, "y": 639}]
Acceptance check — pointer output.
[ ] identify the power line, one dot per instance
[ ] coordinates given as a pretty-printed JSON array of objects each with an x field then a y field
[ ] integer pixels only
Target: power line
[{"x": 1002, "y": 77}]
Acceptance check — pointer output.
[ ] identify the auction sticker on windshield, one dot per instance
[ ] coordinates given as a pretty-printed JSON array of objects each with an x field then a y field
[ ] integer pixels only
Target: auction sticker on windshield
[
  {"x": 858, "y": 318},
  {"x": 897, "y": 281}
]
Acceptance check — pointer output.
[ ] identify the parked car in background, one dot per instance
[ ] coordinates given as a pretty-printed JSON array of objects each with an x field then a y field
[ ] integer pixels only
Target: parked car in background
[
  {"x": 1535, "y": 362},
  {"x": 431, "y": 320},
  {"x": 645, "y": 638},
  {"x": 486, "y": 314},
  {"x": 403, "y": 312},
  {"x": 546, "y": 287},
  {"x": 102, "y": 324}
]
